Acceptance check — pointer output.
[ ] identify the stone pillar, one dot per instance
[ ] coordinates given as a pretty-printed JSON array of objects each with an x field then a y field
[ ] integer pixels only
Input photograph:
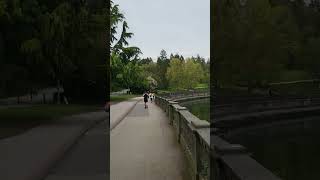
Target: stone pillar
[
  {"x": 179, "y": 121},
  {"x": 170, "y": 110},
  {"x": 222, "y": 150},
  {"x": 200, "y": 124}
]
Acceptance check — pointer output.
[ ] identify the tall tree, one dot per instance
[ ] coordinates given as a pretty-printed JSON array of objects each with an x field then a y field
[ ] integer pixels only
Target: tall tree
[{"x": 163, "y": 64}]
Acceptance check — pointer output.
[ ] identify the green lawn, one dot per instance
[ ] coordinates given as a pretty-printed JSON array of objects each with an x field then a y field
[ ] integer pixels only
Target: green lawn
[
  {"x": 172, "y": 90},
  {"x": 119, "y": 98},
  {"x": 162, "y": 91},
  {"x": 15, "y": 120},
  {"x": 202, "y": 86}
]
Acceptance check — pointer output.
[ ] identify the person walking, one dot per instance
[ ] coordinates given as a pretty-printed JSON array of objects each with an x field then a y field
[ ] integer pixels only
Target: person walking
[
  {"x": 145, "y": 99},
  {"x": 151, "y": 97}
]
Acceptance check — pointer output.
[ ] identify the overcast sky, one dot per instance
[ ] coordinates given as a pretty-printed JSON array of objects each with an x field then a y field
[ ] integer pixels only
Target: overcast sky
[{"x": 177, "y": 26}]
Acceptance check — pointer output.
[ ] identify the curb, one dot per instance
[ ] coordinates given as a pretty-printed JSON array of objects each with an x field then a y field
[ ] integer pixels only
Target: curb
[{"x": 117, "y": 122}]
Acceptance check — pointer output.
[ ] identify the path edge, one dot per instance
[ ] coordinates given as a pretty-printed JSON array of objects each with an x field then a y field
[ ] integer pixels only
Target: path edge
[
  {"x": 60, "y": 152},
  {"x": 117, "y": 122}
]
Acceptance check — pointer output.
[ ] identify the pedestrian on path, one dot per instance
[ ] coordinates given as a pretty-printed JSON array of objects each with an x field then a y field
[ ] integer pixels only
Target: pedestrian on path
[
  {"x": 151, "y": 97},
  {"x": 145, "y": 98}
]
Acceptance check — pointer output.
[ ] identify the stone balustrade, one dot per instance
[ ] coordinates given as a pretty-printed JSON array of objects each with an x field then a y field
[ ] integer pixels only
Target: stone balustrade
[{"x": 208, "y": 155}]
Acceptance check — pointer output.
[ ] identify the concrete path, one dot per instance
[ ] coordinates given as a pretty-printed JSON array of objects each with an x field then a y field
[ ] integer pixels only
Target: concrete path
[
  {"x": 31, "y": 155},
  {"x": 143, "y": 146},
  {"x": 88, "y": 159},
  {"x": 119, "y": 110}
]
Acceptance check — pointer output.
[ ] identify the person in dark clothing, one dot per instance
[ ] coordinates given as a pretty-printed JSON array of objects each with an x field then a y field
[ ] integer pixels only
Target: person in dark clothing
[{"x": 145, "y": 99}]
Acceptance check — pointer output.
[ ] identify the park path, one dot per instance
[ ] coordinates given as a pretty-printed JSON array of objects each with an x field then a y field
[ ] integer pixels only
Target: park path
[
  {"x": 143, "y": 146},
  {"x": 120, "y": 110},
  {"x": 32, "y": 155}
]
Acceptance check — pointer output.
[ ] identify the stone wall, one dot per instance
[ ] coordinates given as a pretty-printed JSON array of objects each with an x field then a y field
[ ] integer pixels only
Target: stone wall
[{"x": 209, "y": 156}]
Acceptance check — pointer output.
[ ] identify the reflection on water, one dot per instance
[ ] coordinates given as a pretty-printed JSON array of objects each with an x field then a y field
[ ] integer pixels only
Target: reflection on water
[
  {"x": 200, "y": 108},
  {"x": 291, "y": 150}
]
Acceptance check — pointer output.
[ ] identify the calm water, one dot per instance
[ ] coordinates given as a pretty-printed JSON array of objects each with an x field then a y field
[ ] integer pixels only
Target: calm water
[
  {"x": 291, "y": 150},
  {"x": 200, "y": 108}
]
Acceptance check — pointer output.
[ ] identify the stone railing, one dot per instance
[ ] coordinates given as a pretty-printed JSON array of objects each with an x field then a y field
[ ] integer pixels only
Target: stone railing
[{"x": 221, "y": 160}]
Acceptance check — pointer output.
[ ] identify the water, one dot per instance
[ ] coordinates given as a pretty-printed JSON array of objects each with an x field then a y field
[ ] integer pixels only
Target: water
[
  {"x": 290, "y": 150},
  {"x": 200, "y": 108}
]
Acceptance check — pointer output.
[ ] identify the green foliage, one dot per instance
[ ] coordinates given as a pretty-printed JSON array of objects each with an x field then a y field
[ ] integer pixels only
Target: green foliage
[
  {"x": 175, "y": 73},
  {"x": 193, "y": 73},
  {"x": 184, "y": 74},
  {"x": 162, "y": 64},
  {"x": 115, "y": 18},
  {"x": 52, "y": 41},
  {"x": 3, "y": 8},
  {"x": 126, "y": 72},
  {"x": 145, "y": 61},
  {"x": 119, "y": 98},
  {"x": 256, "y": 42}
]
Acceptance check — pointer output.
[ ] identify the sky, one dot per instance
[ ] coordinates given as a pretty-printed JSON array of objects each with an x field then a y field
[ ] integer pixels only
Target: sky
[{"x": 177, "y": 26}]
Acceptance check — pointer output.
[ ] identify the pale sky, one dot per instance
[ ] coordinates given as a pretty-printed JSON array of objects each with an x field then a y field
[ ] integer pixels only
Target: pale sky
[{"x": 177, "y": 26}]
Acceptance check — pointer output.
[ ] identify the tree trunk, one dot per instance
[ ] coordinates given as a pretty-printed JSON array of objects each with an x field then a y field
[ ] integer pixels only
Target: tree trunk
[
  {"x": 44, "y": 98},
  {"x": 65, "y": 100},
  {"x": 58, "y": 91},
  {"x": 250, "y": 87}
]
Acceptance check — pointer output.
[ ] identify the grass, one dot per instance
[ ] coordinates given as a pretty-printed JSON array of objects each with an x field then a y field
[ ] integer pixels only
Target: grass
[
  {"x": 119, "y": 98},
  {"x": 172, "y": 90},
  {"x": 162, "y": 91},
  {"x": 202, "y": 86},
  {"x": 15, "y": 120}
]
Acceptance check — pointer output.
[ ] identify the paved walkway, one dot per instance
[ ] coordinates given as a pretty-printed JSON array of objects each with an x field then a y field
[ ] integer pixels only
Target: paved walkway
[
  {"x": 31, "y": 155},
  {"x": 143, "y": 146},
  {"x": 120, "y": 110},
  {"x": 87, "y": 159}
]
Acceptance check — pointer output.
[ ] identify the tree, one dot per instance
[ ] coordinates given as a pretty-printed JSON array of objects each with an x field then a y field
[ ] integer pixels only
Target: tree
[
  {"x": 51, "y": 42},
  {"x": 192, "y": 73},
  {"x": 184, "y": 74},
  {"x": 252, "y": 43},
  {"x": 126, "y": 71},
  {"x": 175, "y": 73},
  {"x": 60, "y": 62},
  {"x": 3, "y": 8},
  {"x": 147, "y": 60},
  {"x": 163, "y": 64},
  {"x": 130, "y": 54},
  {"x": 115, "y": 18}
]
